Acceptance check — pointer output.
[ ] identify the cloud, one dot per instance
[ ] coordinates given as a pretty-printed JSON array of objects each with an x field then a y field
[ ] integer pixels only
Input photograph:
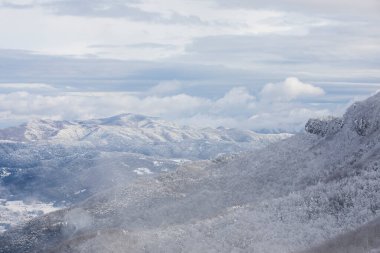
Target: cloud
[
  {"x": 291, "y": 89},
  {"x": 85, "y": 105},
  {"x": 166, "y": 88},
  {"x": 238, "y": 107},
  {"x": 220, "y": 52},
  {"x": 272, "y": 43},
  {"x": 237, "y": 101},
  {"x": 73, "y": 27},
  {"x": 286, "y": 117},
  {"x": 26, "y": 86},
  {"x": 315, "y": 53},
  {"x": 312, "y": 6},
  {"x": 127, "y": 9}
]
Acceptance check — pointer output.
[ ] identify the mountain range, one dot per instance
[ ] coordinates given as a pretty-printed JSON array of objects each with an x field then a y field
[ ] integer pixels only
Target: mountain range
[
  {"x": 133, "y": 133},
  {"x": 46, "y": 163},
  {"x": 316, "y": 191}
]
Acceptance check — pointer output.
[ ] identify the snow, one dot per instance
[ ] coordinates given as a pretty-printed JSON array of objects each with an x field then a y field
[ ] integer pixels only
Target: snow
[
  {"x": 71, "y": 160},
  {"x": 157, "y": 163},
  {"x": 4, "y": 173},
  {"x": 140, "y": 133},
  {"x": 180, "y": 161},
  {"x": 15, "y": 212},
  {"x": 143, "y": 171},
  {"x": 324, "y": 127},
  {"x": 284, "y": 198},
  {"x": 80, "y": 191}
]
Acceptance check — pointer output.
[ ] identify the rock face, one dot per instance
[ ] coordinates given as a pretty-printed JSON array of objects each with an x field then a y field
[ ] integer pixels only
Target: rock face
[{"x": 287, "y": 197}]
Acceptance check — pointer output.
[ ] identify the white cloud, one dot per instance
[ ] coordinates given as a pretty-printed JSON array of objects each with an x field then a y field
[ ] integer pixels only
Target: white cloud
[
  {"x": 369, "y": 7},
  {"x": 269, "y": 43},
  {"x": 289, "y": 117},
  {"x": 26, "y": 86},
  {"x": 237, "y": 101},
  {"x": 83, "y": 105},
  {"x": 166, "y": 88},
  {"x": 237, "y": 108},
  {"x": 292, "y": 88},
  {"x": 75, "y": 32}
]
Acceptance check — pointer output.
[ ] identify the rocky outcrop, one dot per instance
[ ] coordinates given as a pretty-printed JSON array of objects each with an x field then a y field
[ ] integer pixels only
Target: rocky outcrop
[
  {"x": 362, "y": 118},
  {"x": 324, "y": 127}
]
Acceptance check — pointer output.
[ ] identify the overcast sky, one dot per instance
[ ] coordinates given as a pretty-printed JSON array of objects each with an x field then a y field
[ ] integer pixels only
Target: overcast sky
[{"x": 263, "y": 65}]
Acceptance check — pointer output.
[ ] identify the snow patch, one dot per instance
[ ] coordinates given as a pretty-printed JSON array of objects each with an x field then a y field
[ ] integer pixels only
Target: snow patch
[
  {"x": 79, "y": 192},
  {"x": 15, "y": 212},
  {"x": 4, "y": 173},
  {"x": 157, "y": 163},
  {"x": 143, "y": 171}
]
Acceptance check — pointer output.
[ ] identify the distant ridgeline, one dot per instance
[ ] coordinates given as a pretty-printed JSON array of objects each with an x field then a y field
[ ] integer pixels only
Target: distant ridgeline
[{"x": 140, "y": 134}]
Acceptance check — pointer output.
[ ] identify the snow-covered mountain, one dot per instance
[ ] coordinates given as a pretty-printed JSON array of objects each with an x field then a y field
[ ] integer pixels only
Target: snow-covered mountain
[
  {"x": 287, "y": 197},
  {"x": 141, "y": 134},
  {"x": 47, "y": 162},
  {"x": 128, "y": 127}
]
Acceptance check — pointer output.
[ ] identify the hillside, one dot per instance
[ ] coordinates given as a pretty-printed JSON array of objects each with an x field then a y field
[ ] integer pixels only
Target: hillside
[
  {"x": 286, "y": 197},
  {"x": 363, "y": 239},
  {"x": 60, "y": 163}
]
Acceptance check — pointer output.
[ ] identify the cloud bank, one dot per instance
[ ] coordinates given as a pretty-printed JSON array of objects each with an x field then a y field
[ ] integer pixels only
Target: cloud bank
[
  {"x": 292, "y": 88},
  {"x": 274, "y": 108},
  {"x": 208, "y": 63}
]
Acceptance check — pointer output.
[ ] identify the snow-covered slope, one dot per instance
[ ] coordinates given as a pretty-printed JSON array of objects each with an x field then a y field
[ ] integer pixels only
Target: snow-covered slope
[
  {"x": 127, "y": 128},
  {"x": 14, "y": 212},
  {"x": 284, "y": 198},
  {"x": 363, "y": 239},
  {"x": 64, "y": 162},
  {"x": 45, "y": 152}
]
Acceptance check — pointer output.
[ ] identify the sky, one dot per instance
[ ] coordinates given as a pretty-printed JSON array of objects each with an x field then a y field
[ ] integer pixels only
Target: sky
[{"x": 253, "y": 64}]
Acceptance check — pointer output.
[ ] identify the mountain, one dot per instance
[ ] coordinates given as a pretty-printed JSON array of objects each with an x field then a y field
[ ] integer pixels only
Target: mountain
[
  {"x": 141, "y": 134},
  {"x": 292, "y": 195},
  {"x": 45, "y": 165}
]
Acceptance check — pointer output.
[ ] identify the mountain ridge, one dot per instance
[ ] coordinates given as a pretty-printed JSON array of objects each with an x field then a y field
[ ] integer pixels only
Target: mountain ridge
[{"x": 145, "y": 128}]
